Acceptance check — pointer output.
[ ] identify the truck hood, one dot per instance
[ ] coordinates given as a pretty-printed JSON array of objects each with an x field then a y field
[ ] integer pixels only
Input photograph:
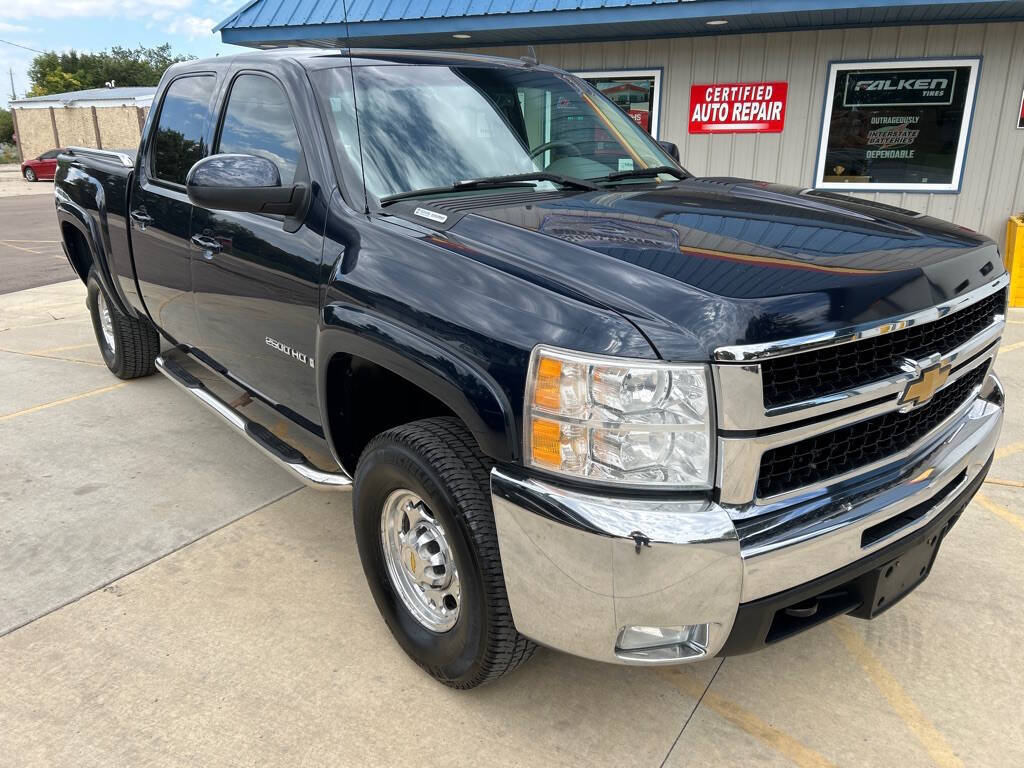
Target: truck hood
[{"x": 709, "y": 262}]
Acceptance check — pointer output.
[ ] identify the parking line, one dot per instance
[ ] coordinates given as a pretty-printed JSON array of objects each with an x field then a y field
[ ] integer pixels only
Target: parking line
[
  {"x": 71, "y": 399},
  {"x": 999, "y": 510},
  {"x": 747, "y": 721},
  {"x": 51, "y": 350},
  {"x": 939, "y": 751},
  {"x": 1012, "y": 347},
  {"x": 1009, "y": 450},
  {"x": 1000, "y": 481},
  {"x": 49, "y": 357}
]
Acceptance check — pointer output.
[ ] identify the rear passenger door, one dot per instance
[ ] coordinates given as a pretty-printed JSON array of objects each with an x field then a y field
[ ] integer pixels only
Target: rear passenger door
[
  {"x": 159, "y": 209},
  {"x": 257, "y": 280}
]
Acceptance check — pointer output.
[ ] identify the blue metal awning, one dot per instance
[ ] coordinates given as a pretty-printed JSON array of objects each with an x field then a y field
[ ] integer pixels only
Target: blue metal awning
[{"x": 434, "y": 23}]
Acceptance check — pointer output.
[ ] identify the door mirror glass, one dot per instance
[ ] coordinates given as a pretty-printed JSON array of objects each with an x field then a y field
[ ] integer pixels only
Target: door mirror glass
[{"x": 244, "y": 183}]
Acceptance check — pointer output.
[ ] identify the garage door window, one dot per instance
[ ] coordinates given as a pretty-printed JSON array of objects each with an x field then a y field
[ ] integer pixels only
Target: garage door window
[
  {"x": 637, "y": 92},
  {"x": 896, "y": 125}
]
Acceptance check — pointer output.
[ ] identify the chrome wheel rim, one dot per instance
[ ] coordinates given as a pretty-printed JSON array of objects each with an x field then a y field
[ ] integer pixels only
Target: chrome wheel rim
[
  {"x": 420, "y": 561},
  {"x": 106, "y": 322}
]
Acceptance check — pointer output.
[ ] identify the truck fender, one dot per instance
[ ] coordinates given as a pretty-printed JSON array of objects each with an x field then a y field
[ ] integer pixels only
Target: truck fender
[
  {"x": 454, "y": 380},
  {"x": 70, "y": 212}
]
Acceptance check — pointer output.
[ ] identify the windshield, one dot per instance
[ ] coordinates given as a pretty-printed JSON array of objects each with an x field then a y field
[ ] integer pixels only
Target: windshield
[{"x": 434, "y": 126}]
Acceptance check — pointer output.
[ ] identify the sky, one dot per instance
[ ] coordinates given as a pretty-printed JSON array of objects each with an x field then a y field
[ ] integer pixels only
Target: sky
[{"x": 95, "y": 25}]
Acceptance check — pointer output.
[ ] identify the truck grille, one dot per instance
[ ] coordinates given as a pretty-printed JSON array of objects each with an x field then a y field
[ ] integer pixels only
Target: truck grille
[
  {"x": 834, "y": 453},
  {"x": 804, "y": 376}
]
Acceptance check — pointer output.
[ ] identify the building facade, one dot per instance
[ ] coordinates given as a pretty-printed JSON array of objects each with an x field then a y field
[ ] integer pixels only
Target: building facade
[
  {"x": 916, "y": 105},
  {"x": 103, "y": 118}
]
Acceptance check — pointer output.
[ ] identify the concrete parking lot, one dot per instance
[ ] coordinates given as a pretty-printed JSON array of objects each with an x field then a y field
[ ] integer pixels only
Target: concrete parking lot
[{"x": 170, "y": 597}]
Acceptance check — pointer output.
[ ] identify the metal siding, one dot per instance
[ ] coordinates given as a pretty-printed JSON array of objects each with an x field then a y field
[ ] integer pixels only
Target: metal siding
[{"x": 993, "y": 186}]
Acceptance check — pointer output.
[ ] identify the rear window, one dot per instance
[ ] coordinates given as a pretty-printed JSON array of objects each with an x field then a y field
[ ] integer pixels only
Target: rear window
[{"x": 181, "y": 128}]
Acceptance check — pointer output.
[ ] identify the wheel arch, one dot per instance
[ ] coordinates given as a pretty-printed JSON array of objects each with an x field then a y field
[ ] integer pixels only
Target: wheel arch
[
  {"x": 75, "y": 223},
  {"x": 442, "y": 381}
]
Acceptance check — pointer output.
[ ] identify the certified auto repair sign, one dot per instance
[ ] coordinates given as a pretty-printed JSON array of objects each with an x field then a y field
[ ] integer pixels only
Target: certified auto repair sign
[{"x": 738, "y": 108}]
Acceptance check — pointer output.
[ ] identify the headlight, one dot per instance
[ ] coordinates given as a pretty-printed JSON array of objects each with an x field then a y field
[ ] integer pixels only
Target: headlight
[{"x": 618, "y": 420}]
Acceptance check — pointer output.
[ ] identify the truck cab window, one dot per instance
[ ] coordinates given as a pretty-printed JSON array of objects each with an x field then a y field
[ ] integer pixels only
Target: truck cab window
[
  {"x": 180, "y": 132},
  {"x": 258, "y": 121}
]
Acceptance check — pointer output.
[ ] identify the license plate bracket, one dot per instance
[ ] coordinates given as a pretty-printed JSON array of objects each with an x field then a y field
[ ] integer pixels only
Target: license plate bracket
[{"x": 886, "y": 585}]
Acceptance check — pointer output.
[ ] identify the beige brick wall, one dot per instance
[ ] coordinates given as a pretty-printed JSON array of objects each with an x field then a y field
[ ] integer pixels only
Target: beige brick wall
[
  {"x": 119, "y": 127},
  {"x": 34, "y": 131},
  {"x": 74, "y": 127}
]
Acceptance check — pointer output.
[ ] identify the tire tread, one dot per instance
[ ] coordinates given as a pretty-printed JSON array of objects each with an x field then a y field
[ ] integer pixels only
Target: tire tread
[{"x": 450, "y": 448}]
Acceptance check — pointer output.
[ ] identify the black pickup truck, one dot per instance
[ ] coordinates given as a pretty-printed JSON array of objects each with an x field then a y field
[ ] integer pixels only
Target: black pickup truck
[{"x": 586, "y": 400}]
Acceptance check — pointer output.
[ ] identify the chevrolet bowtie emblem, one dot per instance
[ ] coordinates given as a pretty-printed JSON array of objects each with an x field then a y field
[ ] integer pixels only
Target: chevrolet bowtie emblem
[{"x": 929, "y": 375}]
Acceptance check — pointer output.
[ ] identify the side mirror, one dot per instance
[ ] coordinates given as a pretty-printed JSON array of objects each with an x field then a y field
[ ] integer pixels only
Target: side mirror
[
  {"x": 244, "y": 183},
  {"x": 671, "y": 149}
]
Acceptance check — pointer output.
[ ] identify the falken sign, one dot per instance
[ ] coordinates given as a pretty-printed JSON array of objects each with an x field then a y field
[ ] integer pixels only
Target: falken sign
[
  {"x": 900, "y": 88},
  {"x": 896, "y": 125}
]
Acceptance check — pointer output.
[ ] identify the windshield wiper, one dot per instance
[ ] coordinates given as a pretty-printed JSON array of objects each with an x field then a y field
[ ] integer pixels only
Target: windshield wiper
[
  {"x": 486, "y": 182},
  {"x": 639, "y": 173}
]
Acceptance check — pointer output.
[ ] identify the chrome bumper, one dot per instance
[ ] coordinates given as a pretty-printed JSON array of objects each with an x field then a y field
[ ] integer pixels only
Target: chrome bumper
[{"x": 581, "y": 568}]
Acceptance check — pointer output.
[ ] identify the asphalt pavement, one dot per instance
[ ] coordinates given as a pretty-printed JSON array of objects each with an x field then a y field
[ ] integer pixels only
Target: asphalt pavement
[{"x": 30, "y": 252}]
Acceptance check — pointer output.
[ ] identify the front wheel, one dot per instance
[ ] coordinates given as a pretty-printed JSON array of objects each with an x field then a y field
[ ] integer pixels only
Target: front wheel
[
  {"x": 129, "y": 345},
  {"x": 429, "y": 548},
  {"x": 30, "y": 175}
]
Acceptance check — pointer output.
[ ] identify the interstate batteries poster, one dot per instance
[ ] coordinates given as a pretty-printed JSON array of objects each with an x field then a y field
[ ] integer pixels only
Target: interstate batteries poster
[{"x": 898, "y": 124}]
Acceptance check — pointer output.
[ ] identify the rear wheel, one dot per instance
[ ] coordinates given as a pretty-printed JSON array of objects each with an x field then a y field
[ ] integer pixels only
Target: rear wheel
[
  {"x": 429, "y": 548},
  {"x": 129, "y": 345},
  {"x": 30, "y": 175}
]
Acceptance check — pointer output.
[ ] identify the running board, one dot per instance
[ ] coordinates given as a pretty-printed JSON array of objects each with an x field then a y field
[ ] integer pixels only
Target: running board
[{"x": 284, "y": 454}]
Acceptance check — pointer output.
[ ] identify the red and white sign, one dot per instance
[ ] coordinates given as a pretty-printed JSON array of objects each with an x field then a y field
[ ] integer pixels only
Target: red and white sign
[
  {"x": 738, "y": 108},
  {"x": 641, "y": 117}
]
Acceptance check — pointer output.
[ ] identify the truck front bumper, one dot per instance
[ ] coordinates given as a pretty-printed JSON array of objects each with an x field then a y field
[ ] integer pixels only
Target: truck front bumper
[{"x": 661, "y": 580}]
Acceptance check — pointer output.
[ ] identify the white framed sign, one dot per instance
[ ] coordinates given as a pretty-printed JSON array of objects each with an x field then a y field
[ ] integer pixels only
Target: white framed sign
[
  {"x": 897, "y": 125},
  {"x": 636, "y": 91}
]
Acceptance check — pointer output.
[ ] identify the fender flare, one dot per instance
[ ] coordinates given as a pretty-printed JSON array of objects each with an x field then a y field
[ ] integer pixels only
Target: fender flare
[
  {"x": 454, "y": 380},
  {"x": 69, "y": 212}
]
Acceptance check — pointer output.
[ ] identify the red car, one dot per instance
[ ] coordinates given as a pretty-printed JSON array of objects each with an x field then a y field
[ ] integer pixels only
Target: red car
[{"x": 42, "y": 167}]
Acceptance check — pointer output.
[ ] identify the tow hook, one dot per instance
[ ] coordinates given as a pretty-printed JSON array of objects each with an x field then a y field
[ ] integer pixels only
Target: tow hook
[{"x": 640, "y": 540}]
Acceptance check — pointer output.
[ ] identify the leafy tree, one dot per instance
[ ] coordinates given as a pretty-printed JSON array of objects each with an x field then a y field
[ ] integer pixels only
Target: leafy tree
[
  {"x": 54, "y": 72},
  {"x": 6, "y": 127}
]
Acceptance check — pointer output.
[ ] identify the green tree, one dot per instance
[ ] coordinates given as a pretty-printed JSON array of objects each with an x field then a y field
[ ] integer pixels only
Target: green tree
[
  {"x": 6, "y": 127},
  {"x": 54, "y": 72}
]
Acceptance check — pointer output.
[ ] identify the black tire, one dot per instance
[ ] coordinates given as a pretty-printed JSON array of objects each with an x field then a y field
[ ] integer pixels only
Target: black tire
[
  {"x": 136, "y": 342},
  {"x": 438, "y": 460},
  {"x": 30, "y": 175}
]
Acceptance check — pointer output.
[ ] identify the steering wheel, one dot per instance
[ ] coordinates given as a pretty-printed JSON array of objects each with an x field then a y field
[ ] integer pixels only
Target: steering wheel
[{"x": 570, "y": 148}]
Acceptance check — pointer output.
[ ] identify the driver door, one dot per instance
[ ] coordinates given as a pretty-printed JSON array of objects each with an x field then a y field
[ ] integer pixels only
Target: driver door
[{"x": 256, "y": 276}]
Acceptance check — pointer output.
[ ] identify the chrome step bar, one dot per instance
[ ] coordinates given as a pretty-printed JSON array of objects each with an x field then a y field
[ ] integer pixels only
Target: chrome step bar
[{"x": 284, "y": 454}]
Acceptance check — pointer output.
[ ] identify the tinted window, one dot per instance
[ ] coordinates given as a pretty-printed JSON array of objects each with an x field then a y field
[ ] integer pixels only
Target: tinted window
[
  {"x": 49, "y": 155},
  {"x": 258, "y": 121},
  {"x": 179, "y": 133},
  {"x": 428, "y": 126}
]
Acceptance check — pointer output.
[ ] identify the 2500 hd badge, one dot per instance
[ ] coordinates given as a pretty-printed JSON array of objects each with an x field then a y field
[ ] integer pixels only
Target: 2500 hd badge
[{"x": 582, "y": 398}]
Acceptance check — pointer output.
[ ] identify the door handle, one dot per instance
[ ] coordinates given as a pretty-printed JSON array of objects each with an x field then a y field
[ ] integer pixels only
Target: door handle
[
  {"x": 207, "y": 244},
  {"x": 140, "y": 216}
]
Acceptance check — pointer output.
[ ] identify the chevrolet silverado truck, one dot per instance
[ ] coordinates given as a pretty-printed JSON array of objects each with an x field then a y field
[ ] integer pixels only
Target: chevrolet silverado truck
[{"x": 584, "y": 399}]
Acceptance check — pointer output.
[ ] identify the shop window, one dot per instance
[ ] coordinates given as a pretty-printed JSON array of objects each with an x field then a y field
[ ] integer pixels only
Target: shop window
[
  {"x": 897, "y": 126},
  {"x": 637, "y": 92}
]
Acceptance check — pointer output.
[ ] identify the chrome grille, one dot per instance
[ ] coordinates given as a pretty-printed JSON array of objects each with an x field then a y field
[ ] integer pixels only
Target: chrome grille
[
  {"x": 823, "y": 372},
  {"x": 843, "y": 450},
  {"x": 770, "y": 455}
]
